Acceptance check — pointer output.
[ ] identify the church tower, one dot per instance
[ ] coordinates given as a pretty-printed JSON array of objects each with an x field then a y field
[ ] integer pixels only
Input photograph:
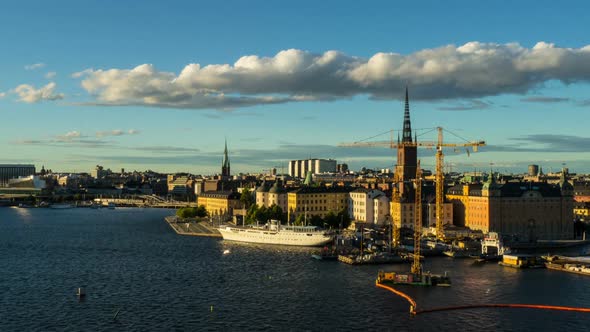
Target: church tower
[
  {"x": 225, "y": 170},
  {"x": 407, "y": 156}
]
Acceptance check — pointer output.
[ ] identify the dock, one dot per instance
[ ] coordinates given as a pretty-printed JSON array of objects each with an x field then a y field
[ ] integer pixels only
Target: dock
[{"x": 201, "y": 228}]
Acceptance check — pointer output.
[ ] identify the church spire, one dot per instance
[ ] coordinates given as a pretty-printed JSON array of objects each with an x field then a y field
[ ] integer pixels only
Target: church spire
[
  {"x": 407, "y": 135},
  {"x": 225, "y": 169}
]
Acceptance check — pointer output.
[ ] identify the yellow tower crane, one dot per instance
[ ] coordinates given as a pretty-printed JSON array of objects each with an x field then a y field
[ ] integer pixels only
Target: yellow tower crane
[
  {"x": 439, "y": 178},
  {"x": 416, "y": 265}
]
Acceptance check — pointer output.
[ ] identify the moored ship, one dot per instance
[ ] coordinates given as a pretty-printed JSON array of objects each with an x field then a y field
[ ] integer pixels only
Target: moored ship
[{"x": 275, "y": 233}]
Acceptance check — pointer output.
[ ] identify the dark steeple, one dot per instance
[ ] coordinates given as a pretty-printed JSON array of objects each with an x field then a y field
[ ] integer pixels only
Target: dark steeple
[
  {"x": 407, "y": 124},
  {"x": 225, "y": 164},
  {"x": 407, "y": 156}
]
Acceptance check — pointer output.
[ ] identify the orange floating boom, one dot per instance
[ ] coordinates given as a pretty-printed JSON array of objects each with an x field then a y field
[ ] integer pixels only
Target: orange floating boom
[
  {"x": 413, "y": 305},
  {"x": 505, "y": 305}
]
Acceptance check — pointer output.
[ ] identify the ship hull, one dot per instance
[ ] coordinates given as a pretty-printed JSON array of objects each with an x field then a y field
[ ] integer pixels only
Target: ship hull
[{"x": 305, "y": 239}]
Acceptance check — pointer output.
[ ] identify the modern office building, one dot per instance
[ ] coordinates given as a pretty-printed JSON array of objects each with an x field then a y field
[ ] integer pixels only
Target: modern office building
[
  {"x": 13, "y": 171},
  {"x": 299, "y": 168}
]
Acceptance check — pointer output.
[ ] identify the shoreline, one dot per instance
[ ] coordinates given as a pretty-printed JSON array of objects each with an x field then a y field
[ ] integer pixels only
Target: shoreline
[{"x": 191, "y": 228}]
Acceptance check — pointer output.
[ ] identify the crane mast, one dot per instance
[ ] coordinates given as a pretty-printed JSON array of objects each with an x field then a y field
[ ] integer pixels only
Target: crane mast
[
  {"x": 440, "y": 186},
  {"x": 416, "y": 265},
  {"x": 439, "y": 177}
]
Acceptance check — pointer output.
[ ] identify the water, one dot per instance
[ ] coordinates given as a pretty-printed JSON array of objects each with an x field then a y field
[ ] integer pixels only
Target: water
[{"x": 130, "y": 262}]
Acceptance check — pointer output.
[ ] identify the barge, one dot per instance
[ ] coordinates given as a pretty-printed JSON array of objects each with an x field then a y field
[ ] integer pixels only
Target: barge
[{"x": 413, "y": 279}]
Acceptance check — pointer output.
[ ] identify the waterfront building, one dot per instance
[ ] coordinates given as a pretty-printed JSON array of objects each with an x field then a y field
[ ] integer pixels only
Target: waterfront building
[
  {"x": 527, "y": 211},
  {"x": 12, "y": 171},
  {"x": 317, "y": 201},
  {"x": 300, "y": 168},
  {"x": 31, "y": 181},
  {"x": 361, "y": 205},
  {"x": 429, "y": 210},
  {"x": 268, "y": 196},
  {"x": 218, "y": 203},
  {"x": 179, "y": 184},
  {"x": 381, "y": 209}
]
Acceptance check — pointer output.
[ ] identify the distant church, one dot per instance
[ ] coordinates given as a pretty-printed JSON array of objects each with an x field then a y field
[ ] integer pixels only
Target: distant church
[{"x": 225, "y": 168}]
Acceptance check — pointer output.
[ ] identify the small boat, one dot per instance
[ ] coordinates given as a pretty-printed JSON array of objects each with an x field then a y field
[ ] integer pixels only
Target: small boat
[
  {"x": 80, "y": 292},
  {"x": 111, "y": 205},
  {"x": 226, "y": 252}
]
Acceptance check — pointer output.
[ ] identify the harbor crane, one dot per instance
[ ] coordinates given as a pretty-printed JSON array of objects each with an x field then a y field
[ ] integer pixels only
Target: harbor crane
[{"x": 439, "y": 177}]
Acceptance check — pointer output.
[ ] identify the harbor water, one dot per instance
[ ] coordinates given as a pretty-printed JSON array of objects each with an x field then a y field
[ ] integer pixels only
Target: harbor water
[{"x": 138, "y": 275}]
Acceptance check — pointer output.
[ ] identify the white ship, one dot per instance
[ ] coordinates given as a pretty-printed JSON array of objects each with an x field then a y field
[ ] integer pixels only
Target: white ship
[{"x": 275, "y": 233}]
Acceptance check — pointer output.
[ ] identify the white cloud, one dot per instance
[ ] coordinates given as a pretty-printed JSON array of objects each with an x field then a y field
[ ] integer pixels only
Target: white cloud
[
  {"x": 116, "y": 132},
  {"x": 34, "y": 66},
  {"x": 470, "y": 71},
  {"x": 29, "y": 94},
  {"x": 50, "y": 75},
  {"x": 69, "y": 136}
]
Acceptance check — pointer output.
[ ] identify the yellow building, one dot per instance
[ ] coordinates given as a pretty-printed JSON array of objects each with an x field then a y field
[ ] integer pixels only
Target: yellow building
[
  {"x": 317, "y": 201},
  {"x": 220, "y": 202},
  {"x": 527, "y": 211}
]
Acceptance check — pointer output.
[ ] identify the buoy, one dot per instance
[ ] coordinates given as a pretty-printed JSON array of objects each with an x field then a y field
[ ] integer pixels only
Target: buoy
[
  {"x": 226, "y": 251},
  {"x": 211, "y": 308},
  {"x": 81, "y": 292}
]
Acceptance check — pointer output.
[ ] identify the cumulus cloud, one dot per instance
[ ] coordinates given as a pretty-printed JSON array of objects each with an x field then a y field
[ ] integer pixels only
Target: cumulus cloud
[
  {"x": 469, "y": 71},
  {"x": 116, "y": 132},
  {"x": 29, "y": 94},
  {"x": 34, "y": 66},
  {"x": 50, "y": 75}
]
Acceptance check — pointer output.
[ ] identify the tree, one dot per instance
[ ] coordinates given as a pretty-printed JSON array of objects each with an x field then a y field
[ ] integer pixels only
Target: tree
[
  {"x": 201, "y": 211},
  {"x": 250, "y": 219},
  {"x": 316, "y": 220},
  {"x": 300, "y": 220},
  {"x": 332, "y": 220},
  {"x": 247, "y": 198},
  {"x": 275, "y": 212},
  {"x": 344, "y": 219}
]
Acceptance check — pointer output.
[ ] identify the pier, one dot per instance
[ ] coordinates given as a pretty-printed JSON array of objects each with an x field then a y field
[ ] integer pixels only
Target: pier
[{"x": 201, "y": 228}]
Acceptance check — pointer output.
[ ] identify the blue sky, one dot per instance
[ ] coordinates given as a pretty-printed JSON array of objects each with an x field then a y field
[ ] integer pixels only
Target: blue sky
[{"x": 111, "y": 82}]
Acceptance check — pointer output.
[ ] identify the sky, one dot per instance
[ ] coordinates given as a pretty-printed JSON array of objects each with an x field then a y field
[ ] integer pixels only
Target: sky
[{"x": 161, "y": 85}]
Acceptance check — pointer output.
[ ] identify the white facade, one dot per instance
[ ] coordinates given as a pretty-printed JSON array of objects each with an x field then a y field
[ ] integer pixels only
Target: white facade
[
  {"x": 381, "y": 209},
  {"x": 299, "y": 168},
  {"x": 361, "y": 205}
]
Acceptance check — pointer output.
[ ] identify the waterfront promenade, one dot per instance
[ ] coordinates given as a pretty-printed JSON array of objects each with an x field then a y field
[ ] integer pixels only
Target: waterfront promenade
[{"x": 193, "y": 228}]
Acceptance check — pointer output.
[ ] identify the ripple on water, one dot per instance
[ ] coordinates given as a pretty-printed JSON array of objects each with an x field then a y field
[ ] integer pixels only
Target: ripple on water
[{"x": 130, "y": 262}]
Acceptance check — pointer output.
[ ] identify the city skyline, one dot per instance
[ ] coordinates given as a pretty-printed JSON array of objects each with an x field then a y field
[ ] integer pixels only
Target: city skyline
[{"x": 161, "y": 87}]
